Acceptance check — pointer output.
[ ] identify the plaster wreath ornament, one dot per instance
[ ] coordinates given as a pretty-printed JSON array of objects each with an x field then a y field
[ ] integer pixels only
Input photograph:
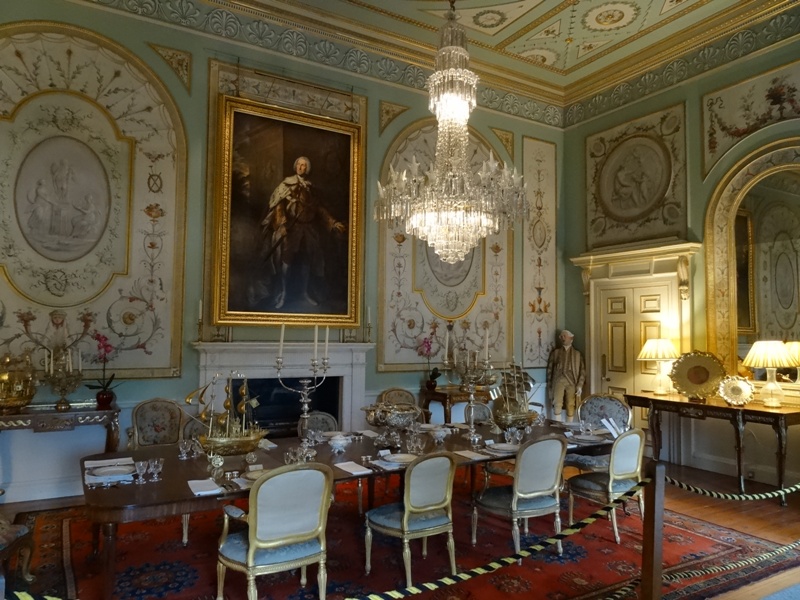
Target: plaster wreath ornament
[{"x": 105, "y": 390}]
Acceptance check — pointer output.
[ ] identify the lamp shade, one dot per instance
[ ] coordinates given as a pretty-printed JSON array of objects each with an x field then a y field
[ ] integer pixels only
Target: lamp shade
[
  {"x": 768, "y": 354},
  {"x": 658, "y": 349},
  {"x": 794, "y": 352}
]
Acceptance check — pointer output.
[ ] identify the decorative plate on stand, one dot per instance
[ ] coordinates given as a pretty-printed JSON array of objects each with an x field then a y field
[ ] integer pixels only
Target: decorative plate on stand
[
  {"x": 736, "y": 391},
  {"x": 697, "y": 374}
]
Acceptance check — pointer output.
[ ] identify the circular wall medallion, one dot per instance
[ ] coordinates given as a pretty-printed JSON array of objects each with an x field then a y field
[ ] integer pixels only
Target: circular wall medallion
[{"x": 634, "y": 178}]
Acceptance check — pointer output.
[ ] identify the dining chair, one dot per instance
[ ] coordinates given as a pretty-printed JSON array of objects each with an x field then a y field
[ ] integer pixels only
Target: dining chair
[
  {"x": 159, "y": 422},
  {"x": 285, "y": 527},
  {"x": 426, "y": 509},
  {"x": 624, "y": 471},
  {"x": 15, "y": 539},
  {"x": 534, "y": 491},
  {"x": 156, "y": 422},
  {"x": 593, "y": 409},
  {"x": 320, "y": 421}
]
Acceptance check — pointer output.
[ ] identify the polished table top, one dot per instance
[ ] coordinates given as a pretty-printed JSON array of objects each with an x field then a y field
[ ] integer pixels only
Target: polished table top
[{"x": 171, "y": 495}]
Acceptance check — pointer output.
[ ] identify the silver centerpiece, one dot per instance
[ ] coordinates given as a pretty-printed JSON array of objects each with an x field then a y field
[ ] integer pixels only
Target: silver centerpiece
[{"x": 393, "y": 418}]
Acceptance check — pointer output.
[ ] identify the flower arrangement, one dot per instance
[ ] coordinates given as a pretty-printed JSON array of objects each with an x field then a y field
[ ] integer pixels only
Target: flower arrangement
[
  {"x": 425, "y": 350},
  {"x": 104, "y": 351}
]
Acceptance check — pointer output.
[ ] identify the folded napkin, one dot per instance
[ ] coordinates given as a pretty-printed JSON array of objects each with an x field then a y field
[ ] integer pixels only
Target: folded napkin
[
  {"x": 92, "y": 479},
  {"x": 571, "y": 446},
  {"x": 204, "y": 487},
  {"x": 470, "y": 454},
  {"x": 602, "y": 431},
  {"x": 369, "y": 433},
  {"x": 459, "y": 425},
  {"x": 111, "y": 462},
  {"x": 388, "y": 466},
  {"x": 354, "y": 468},
  {"x": 265, "y": 444}
]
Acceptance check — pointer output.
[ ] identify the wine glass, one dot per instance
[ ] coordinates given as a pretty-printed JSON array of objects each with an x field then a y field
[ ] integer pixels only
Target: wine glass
[
  {"x": 141, "y": 469},
  {"x": 155, "y": 465},
  {"x": 184, "y": 446}
]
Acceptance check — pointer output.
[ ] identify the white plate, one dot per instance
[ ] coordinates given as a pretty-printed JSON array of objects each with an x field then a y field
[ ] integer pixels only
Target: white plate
[
  {"x": 503, "y": 447},
  {"x": 112, "y": 470},
  {"x": 400, "y": 458},
  {"x": 253, "y": 475},
  {"x": 582, "y": 437}
]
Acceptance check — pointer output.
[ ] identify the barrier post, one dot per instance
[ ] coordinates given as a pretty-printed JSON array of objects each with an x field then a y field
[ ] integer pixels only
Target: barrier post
[{"x": 652, "y": 547}]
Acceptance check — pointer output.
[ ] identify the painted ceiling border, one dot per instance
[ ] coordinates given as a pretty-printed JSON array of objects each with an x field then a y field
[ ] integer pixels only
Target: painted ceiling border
[{"x": 261, "y": 34}]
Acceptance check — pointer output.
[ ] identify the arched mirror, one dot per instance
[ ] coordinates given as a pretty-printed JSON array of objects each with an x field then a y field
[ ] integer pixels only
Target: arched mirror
[{"x": 752, "y": 235}]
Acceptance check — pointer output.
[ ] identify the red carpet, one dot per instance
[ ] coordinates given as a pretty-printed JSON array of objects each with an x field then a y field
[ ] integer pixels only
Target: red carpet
[{"x": 152, "y": 563}]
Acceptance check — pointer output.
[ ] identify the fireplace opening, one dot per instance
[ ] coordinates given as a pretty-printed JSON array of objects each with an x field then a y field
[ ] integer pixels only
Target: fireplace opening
[{"x": 279, "y": 409}]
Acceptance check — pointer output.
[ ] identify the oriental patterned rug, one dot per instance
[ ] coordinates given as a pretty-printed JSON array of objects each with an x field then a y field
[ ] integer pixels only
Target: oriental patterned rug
[{"x": 152, "y": 563}]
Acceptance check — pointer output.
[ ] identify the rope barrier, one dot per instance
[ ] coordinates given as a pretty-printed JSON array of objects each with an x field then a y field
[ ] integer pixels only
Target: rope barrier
[
  {"x": 723, "y": 496},
  {"x": 508, "y": 560}
]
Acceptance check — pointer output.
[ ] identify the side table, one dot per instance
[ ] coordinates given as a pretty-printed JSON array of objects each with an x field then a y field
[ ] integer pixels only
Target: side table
[
  {"x": 43, "y": 418},
  {"x": 450, "y": 395}
]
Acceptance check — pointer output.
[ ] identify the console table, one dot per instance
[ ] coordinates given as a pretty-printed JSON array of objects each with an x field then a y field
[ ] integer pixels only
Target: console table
[
  {"x": 450, "y": 395},
  {"x": 41, "y": 419},
  {"x": 715, "y": 408}
]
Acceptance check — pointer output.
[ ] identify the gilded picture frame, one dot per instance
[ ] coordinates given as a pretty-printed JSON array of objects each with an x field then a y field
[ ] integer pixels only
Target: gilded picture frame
[{"x": 287, "y": 217}]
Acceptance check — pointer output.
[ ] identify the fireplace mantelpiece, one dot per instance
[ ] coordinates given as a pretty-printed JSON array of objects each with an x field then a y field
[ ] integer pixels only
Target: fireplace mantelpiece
[{"x": 256, "y": 360}]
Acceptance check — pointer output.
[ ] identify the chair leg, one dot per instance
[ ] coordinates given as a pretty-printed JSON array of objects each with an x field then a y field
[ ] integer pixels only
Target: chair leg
[
  {"x": 525, "y": 525},
  {"x": 303, "y": 578},
  {"x": 407, "y": 562},
  {"x": 451, "y": 549},
  {"x": 251, "y": 587},
  {"x": 641, "y": 506},
  {"x": 220, "y": 580},
  {"x": 613, "y": 515},
  {"x": 425, "y": 547},
  {"x": 185, "y": 529},
  {"x": 368, "y": 546},
  {"x": 360, "y": 498},
  {"x": 25, "y": 553},
  {"x": 571, "y": 503},
  {"x": 515, "y": 537},
  {"x": 558, "y": 530},
  {"x": 474, "y": 524},
  {"x": 322, "y": 579}
]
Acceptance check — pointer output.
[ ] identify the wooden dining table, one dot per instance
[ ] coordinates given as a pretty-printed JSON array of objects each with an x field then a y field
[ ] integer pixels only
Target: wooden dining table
[{"x": 108, "y": 506}]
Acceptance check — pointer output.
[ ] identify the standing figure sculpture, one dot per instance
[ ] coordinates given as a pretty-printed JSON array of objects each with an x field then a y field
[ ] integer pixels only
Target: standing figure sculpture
[
  {"x": 293, "y": 231},
  {"x": 566, "y": 372}
]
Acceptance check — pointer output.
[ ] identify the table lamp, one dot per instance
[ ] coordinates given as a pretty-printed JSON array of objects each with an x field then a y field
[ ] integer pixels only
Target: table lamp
[
  {"x": 769, "y": 355},
  {"x": 662, "y": 351},
  {"x": 794, "y": 353}
]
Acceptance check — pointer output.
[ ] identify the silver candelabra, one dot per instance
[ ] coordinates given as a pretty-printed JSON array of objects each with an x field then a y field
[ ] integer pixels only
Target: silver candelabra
[{"x": 471, "y": 372}]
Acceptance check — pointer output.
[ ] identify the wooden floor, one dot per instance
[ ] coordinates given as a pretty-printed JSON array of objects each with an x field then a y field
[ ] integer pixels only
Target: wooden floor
[{"x": 766, "y": 519}]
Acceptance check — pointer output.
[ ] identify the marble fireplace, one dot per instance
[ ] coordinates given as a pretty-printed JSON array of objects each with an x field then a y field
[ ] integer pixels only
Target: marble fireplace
[{"x": 256, "y": 361}]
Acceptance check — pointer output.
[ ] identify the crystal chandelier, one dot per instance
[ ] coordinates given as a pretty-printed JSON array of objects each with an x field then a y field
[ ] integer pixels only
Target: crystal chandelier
[{"x": 450, "y": 207}]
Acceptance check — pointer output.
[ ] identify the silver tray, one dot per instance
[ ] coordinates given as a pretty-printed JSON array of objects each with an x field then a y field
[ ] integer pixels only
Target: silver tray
[{"x": 697, "y": 374}]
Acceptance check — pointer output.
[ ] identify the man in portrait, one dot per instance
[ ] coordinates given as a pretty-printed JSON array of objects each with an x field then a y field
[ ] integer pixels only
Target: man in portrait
[{"x": 293, "y": 234}]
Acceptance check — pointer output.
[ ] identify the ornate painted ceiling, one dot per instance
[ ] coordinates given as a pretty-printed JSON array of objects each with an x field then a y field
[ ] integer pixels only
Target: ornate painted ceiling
[{"x": 559, "y": 50}]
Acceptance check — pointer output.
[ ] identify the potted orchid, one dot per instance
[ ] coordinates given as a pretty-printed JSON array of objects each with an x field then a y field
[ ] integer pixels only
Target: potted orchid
[
  {"x": 105, "y": 391},
  {"x": 425, "y": 350}
]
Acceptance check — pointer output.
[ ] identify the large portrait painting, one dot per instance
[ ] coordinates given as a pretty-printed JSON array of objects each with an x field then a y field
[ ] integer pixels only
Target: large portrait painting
[
  {"x": 287, "y": 217},
  {"x": 636, "y": 178}
]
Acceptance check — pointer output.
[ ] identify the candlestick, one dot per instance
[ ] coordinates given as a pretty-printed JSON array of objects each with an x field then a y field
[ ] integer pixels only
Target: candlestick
[
  {"x": 316, "y": 338},
  {"x": 280, "y": 344},
  {"x": 327, "y": 331}
]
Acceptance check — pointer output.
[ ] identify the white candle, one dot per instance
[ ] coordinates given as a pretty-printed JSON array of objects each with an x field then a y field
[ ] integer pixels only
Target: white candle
[
  {"x": 486, "y": 344},
  {"x": 280, "y": 344},
  {"x": 369, "y": 318},
  {"x": 446, "y": 342},
  {"x": 316, "y": 338},
  {"x": 200, "y": 310},
  {"x": 327, "y": 331},
  {"x": 69, "y": 361},
  {"x": 51, "y": 362},
  {"x": 455, "y": 357}
]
